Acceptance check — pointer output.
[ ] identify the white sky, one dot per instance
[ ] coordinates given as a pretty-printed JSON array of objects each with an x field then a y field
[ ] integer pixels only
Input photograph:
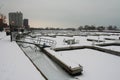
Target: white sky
[{"x": 65, "y": 13}]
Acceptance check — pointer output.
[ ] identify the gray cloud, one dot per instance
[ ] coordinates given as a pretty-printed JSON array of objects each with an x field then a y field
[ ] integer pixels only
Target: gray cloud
[{"x": 67, "y": 13}]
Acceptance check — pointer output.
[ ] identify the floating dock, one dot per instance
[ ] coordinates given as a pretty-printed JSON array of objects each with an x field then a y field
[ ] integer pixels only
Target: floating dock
[
  {"x": 70, "y": 67},
  {"x": 91, "y": 47}
]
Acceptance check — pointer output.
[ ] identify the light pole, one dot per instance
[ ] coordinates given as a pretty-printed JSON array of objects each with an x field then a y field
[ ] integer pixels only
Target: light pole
[{"x": 11, "y": 30}]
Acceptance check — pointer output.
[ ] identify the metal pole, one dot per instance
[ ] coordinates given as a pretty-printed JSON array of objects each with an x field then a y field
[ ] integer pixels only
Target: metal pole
[{"x": 11, "y": 33}]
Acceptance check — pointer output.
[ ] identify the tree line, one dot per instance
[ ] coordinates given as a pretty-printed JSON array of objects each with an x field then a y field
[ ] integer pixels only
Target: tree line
[
  {"x": 82, "y": 28},
  {"x": 99, "y": 28},
  {"x": 3, "y": 23}
]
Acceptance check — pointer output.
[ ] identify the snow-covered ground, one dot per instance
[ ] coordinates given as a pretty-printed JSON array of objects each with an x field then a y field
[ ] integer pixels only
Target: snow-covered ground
[
  {"x": 96, "y": 65},
  {"x": 14, "y": 65}
]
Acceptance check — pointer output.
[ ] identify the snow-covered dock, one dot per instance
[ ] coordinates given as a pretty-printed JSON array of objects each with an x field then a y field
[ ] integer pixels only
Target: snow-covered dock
[
  {"x": 67, "y": 64},
  {"x": 14, "y": 65},
  {"x": 109, "y": 51},
  {"x": 97, "y": 65}
]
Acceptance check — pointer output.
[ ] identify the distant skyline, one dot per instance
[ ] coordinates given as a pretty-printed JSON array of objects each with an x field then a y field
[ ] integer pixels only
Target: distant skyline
[{"x": 65, "y": 13}]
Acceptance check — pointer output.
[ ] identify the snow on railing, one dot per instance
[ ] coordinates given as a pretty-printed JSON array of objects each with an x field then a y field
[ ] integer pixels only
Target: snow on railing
[{"x": 41, "y": 41}]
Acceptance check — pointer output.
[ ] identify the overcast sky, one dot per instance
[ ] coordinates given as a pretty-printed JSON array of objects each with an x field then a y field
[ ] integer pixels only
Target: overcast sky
[{"x": 65, "y": 13}]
